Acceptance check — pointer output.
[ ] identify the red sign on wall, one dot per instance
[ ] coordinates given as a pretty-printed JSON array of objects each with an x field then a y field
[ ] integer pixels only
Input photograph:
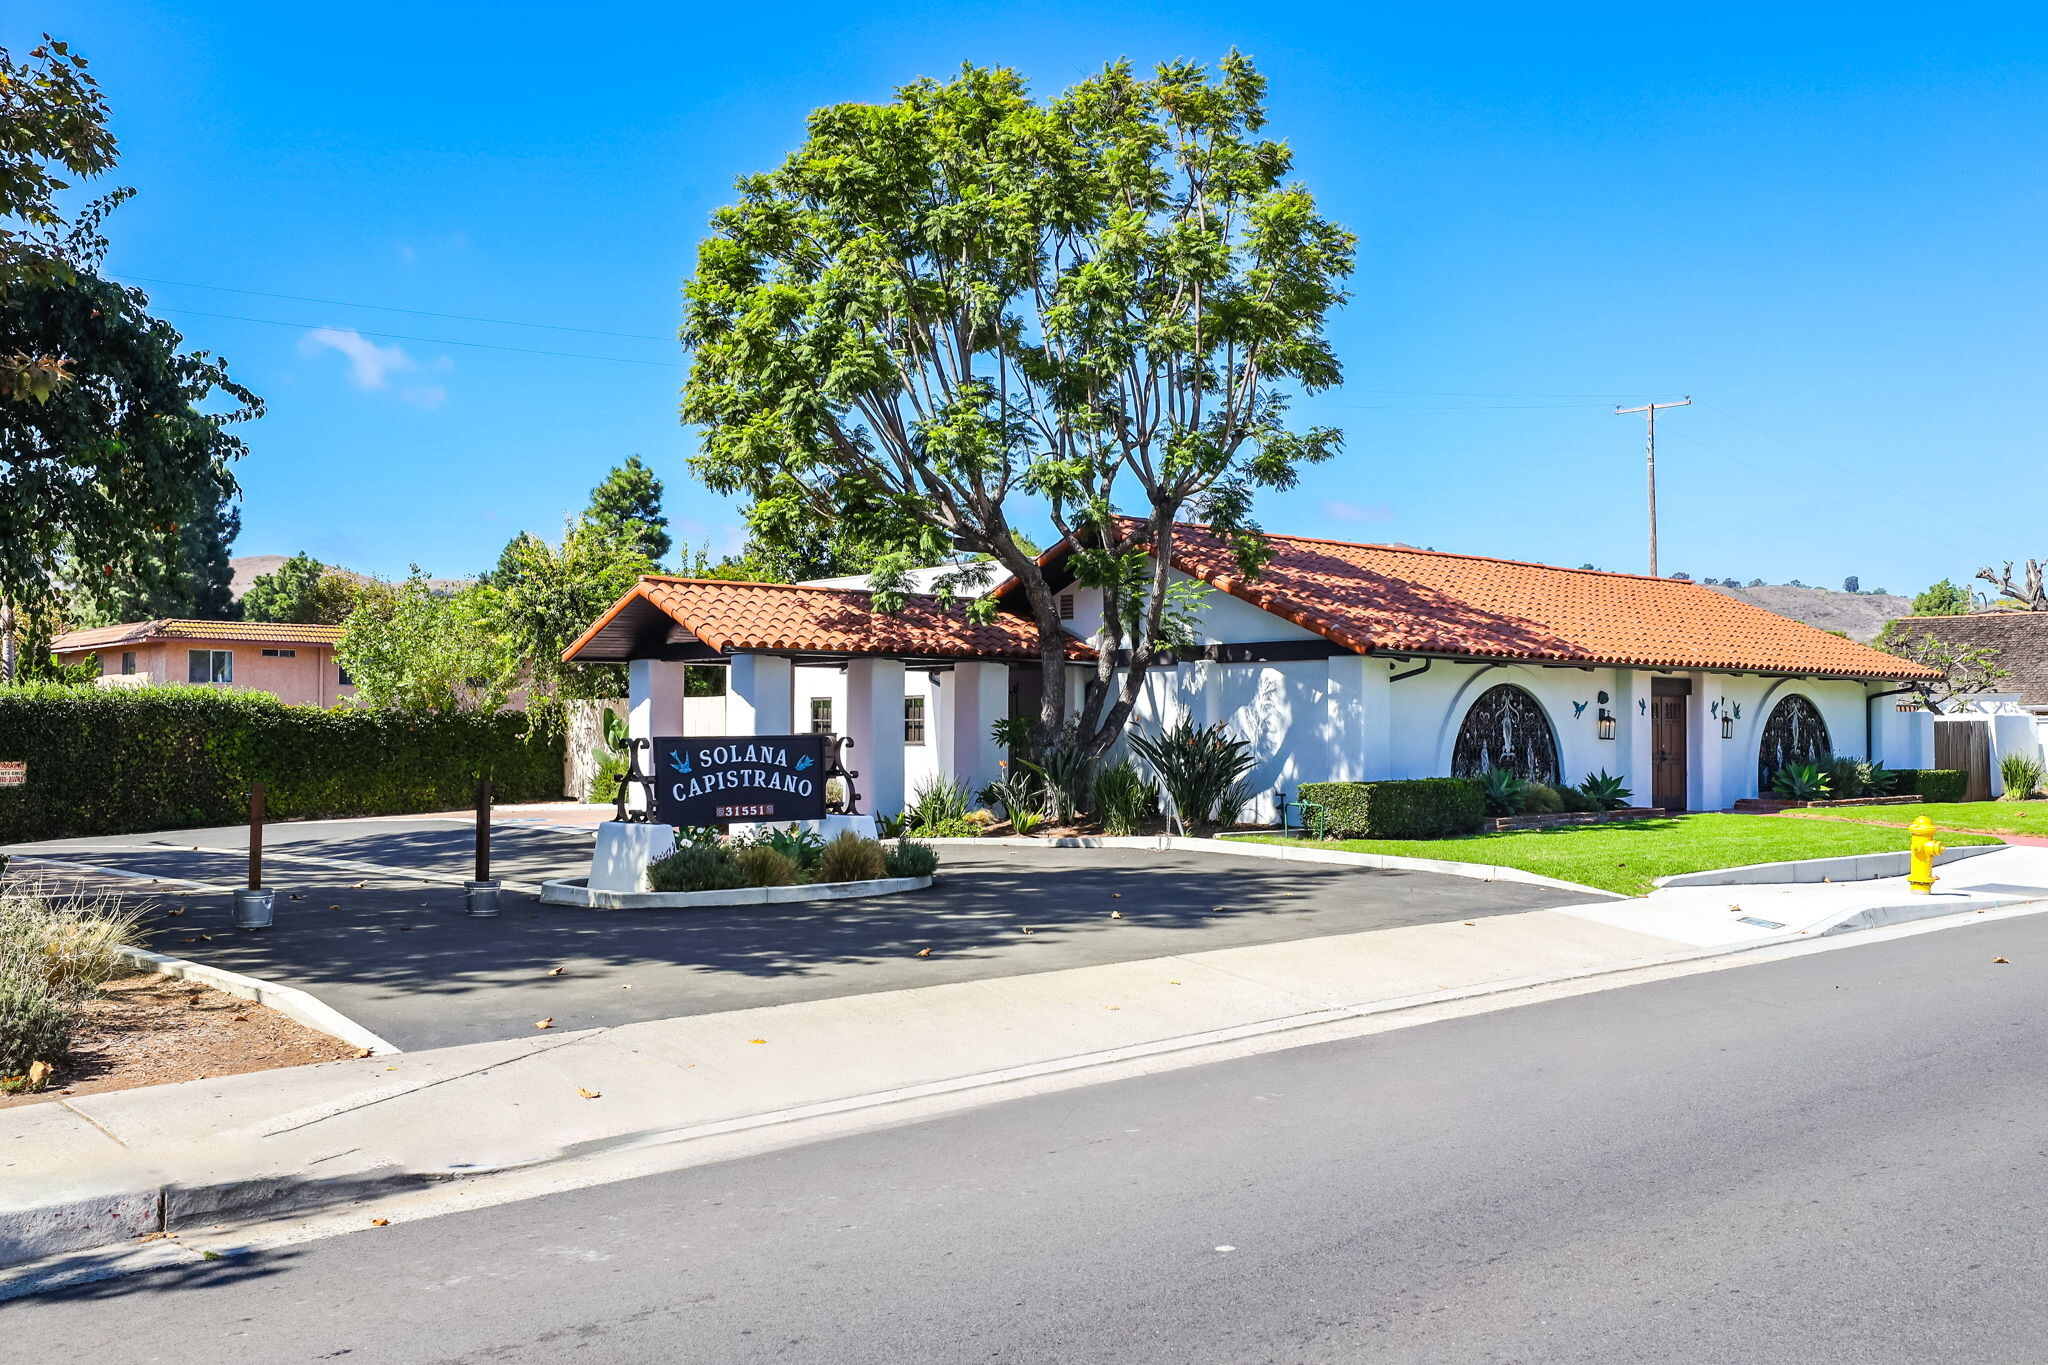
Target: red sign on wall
[{"x": 13, "y": 774}]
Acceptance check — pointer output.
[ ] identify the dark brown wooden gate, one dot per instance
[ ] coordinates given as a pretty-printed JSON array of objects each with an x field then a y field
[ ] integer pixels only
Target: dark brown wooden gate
[
  {"x": 1668, "y": 767},
  {"x": 1965, "y": 745}
]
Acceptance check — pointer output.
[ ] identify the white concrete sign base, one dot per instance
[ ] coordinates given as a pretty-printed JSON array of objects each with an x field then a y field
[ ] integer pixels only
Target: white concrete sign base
[{"x": 619, "y": 863}]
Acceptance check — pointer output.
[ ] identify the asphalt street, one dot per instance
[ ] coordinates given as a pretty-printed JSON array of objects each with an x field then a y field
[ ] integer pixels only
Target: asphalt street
[
  {"x": 1831, "y": 1158},
  {"x": 396, "y": 953}
]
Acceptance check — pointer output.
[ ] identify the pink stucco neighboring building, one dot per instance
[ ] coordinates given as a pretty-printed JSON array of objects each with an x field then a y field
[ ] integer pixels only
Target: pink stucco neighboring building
[{"x": 295, "y": 663}]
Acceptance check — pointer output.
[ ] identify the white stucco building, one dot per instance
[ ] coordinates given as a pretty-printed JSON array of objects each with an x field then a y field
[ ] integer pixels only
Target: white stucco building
[{"x": 1337, "y": 662}]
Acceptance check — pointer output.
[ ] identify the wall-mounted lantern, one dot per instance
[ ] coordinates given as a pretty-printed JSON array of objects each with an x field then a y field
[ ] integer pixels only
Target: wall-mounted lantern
[
  {"x": 1727, "y": 726},
  {"x": 1606, "y": 723}
]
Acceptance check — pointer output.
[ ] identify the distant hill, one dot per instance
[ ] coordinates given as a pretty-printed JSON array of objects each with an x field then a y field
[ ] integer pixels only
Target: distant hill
[
  {"x": 1861, "y": 614},
  {"x": 248, "y": 568}
]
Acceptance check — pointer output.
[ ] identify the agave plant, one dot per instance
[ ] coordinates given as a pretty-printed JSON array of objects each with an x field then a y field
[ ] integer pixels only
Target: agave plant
[
  {"x": 1604, "y": 791},
  {"x": 1802, "y": 782},
  {"x": 1506, "y": 793}
]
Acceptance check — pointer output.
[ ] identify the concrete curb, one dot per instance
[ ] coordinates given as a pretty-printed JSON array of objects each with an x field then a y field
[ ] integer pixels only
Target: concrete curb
[
  {"x": 289, "y": 1001},
  {"x": 1244, "y": 848},
  {"x": 576, "y": 893},
  {"x": 1857, "y": 867}
]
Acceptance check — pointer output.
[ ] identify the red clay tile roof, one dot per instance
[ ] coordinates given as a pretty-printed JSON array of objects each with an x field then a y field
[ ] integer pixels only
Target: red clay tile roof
[
  {"x": 233, "y": 632},
  {"x": 1391, "y": 599},
  {"x": 1397, "y": 600},
  {"x": 792, "y": 618}
]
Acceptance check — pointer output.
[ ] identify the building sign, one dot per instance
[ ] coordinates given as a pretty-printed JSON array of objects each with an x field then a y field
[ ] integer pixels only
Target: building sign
[
  {"x": 13, "y": 774},
  {"x": 768, "y": 779}
]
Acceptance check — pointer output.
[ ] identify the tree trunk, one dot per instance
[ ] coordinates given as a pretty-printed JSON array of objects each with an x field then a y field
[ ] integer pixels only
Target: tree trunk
[{"x": 8, "y": 626}]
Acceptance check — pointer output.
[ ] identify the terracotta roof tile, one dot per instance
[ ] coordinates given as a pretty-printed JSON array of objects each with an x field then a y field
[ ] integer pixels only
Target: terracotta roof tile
[
  {"x": 1391, "y": 599},
  {"x": 234, "y": 632},
  {"x": 783, "y": 617}
]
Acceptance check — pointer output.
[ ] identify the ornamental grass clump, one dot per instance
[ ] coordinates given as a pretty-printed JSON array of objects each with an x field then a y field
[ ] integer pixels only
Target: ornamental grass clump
[
  {"x": 1124, "y": 800},
  {"x": 850, "y": 858},
  {"x": 2022, "y": 774},
  {"x": 56, "y": 950},
  {"x": 762, "y": 865}
]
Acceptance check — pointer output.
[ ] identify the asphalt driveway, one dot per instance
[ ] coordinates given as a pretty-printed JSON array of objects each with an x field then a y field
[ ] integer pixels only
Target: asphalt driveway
[{"x": 395, "y": 952}]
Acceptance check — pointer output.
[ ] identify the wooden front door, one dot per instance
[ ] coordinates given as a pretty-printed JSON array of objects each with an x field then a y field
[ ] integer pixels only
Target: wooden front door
[{"x": 1667, "y": 749}]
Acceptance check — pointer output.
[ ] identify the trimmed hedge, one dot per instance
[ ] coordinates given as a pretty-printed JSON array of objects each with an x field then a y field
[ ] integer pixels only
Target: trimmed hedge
[
  {"x": 1418, "y": 808},
  {"x": 107, "y": 761},
  {"x": 1931, "y": 784}
]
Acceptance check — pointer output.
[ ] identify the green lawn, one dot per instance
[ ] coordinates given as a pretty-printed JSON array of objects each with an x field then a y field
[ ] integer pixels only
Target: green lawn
[
  {"x": 1625, "y": 856},
  {"x": 1989, "y": 817}
]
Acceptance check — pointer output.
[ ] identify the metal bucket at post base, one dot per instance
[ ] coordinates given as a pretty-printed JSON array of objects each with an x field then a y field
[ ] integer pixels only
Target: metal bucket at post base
[
  {"x": 253, "y": 907},
  {"x": 480, "y": 899}
]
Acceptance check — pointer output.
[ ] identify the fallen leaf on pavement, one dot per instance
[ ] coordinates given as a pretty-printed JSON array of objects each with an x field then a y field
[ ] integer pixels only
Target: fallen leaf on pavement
[
  {"x": 548, "y": 1022},
  {"x": 334, "y": 907},
  {"x": 357, "y": 886},
  {"x": 924, "y": 952},
  {"x": 1173, "y": 983},
  {"x": 2001, "y": 959},
  {"x": 757, "y": 1040},
  {"x": 556, "y": 971},
  {"x": 625, "y": 988},
  {"x": 380, "y": 1222},
  {"x": 1027, "y": 930},
  {"x": 363, "y": 1052},
  {"x": 1116, "y": 914},
  {"x": 1471, "y": 924},
  {"x": 241, "y": 1018},
  {"x": 1116, "y": 895},
  {"x": 173, "y": 914},
  {"x": 587, "y": 1094}
]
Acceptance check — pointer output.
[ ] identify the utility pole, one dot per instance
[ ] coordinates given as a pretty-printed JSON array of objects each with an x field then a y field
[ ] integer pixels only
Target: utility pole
[{"x": 1649, "y": 410}]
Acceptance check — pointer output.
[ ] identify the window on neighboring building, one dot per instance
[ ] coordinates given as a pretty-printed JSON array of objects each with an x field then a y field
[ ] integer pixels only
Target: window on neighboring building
[
  {"x": 280, "y": 654},
  {"x": 1066, "y": 606},
  {"x": 913, "y": 720},
  {"x": 341, "y": 676},
  {"x": 210, "y": 666},
  {"x": 821, "y": 715},
  {"x": 127, "y": 661}
]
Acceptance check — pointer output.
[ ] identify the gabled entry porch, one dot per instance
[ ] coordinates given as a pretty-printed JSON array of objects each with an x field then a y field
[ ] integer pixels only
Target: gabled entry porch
[{"x": 918, "y": 691}]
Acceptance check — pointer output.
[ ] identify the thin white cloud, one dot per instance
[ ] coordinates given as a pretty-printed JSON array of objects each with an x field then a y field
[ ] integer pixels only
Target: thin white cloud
[{"x": 370, "y": 365}]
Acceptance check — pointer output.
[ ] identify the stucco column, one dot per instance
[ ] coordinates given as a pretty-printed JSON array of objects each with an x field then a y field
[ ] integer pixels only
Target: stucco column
[
  {"x": 654, "y": 706},
  {"x": 976, "y": 696},
  {"x": 1360, "y": 747},
  {"x": 1627, "y": 756},
  {"x": 760, "y": 695},
  {"x": 1708, "y": 767},
  {"x": 874, "y": 721}
]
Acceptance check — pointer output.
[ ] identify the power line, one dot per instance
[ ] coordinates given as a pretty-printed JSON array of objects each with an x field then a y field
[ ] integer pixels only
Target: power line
[
  {"x": 431, "y": 341},
  {"x": 387, "y": 308}
]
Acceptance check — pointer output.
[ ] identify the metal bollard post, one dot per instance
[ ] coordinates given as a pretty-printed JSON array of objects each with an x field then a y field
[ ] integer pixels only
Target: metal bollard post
[
  {"x": 480, "y": 894},
  {"x": 254, "y": 905}
]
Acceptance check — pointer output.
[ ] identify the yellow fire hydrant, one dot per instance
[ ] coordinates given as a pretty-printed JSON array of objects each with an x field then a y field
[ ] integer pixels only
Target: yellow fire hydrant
[{"x": 1925, "y": 851}]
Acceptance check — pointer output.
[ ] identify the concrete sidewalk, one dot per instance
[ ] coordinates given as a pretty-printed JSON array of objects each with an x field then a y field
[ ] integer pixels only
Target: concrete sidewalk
[{"x": 97, "y": 1170}]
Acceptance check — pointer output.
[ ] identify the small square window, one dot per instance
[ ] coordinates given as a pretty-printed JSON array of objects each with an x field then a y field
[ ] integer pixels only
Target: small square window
[
  {"x": 913, "y": 720},
  {"x": 1066, "y": 606},
  {"x": 280, "y": 654},
  {"x": 210, "y": 666},
  {"x": 821, "y": 715}
]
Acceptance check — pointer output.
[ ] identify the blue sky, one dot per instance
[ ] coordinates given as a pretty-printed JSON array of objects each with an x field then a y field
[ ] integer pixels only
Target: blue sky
[{"x": 1823, "y": 222}]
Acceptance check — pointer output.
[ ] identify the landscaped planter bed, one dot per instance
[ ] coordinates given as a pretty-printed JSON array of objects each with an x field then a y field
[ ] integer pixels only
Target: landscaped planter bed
[
  {"x": 577, "y": 892},
  {"x": 1768, "y": 805},
  {"x": 1501, "y": 824}
]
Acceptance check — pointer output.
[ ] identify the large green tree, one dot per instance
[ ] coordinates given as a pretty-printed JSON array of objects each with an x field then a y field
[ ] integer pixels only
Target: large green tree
[
  {"x": 964, "y": 307},
  {"x": 115, "y": 449},
  {"x": 304, "y": 590},
  {"x": 416, "y": 649},
  {"x": 183, "y": 570},
  {"x": 626, "y": 508}
]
